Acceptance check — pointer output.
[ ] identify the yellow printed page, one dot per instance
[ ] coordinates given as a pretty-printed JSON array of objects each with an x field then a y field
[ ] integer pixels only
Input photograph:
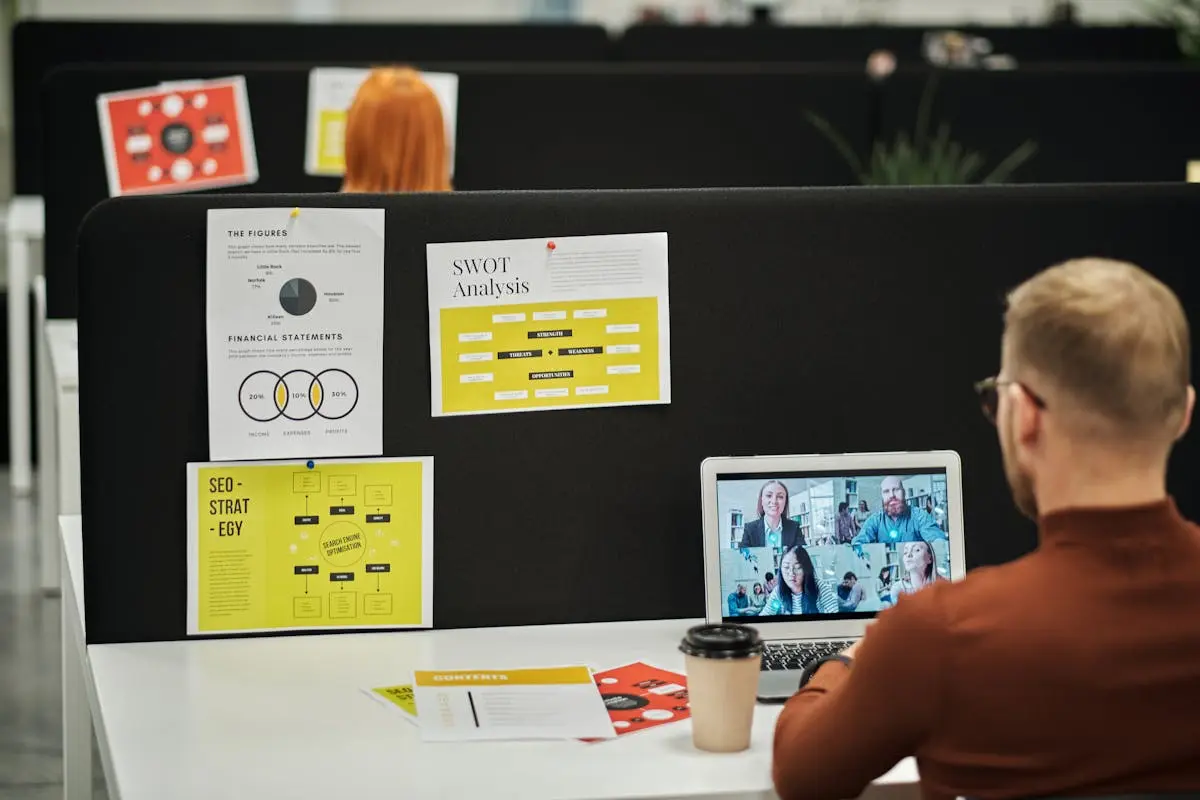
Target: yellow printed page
[
  {"x": 282, "y": 546},
  {"x": 399, "y": 696},
  {"x": 331, "y": 135},
  {"x": 543, "y": 355}
]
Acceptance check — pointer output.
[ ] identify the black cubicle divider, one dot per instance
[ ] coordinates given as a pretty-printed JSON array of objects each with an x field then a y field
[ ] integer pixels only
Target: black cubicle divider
[
  {"x": 519, "y": 127},
  {"x": 38, "y": 46},
  {"x": 822, "y": 320},
  {"x": 1091, "y": 123},
  {"x": 851, "y": 43}
]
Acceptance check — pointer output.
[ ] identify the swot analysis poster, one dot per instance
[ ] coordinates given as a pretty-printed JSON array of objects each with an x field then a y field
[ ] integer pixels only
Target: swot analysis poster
[
  {"x": 295, "y": 333},
  {"x": 178, "y": 137},
  {"x": 331, "y": 90},
  {"x": 543, "y": 324},
  {"x": 310, "y": 544}
]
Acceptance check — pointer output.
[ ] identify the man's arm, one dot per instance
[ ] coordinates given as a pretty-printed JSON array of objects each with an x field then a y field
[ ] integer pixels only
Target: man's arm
[
  {"x": 869, "y": 533},
  {"x": 900, "y": 652},
  {"x": 928, "y": 527}
]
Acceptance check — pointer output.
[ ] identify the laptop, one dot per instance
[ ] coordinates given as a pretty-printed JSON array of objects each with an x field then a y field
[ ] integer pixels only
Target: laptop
[{"x": 808, "y": 549}]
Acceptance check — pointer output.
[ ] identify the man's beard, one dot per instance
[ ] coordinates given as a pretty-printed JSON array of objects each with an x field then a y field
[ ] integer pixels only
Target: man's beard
[{"x": 1019, "y": 483}]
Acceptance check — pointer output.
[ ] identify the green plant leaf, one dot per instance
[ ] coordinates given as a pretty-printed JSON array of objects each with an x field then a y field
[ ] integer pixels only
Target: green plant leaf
[
  {"x": 1016, "y": 158},
  {"x": 925, "y": 109},
  {"x": 970, "y": 165},
  {"x": 838, "y": 141}
]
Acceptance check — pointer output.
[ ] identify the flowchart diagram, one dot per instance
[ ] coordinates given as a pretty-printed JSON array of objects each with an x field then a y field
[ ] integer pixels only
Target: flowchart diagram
[
  {"x": 354, "y": 543},
  {"x": 301, "y": 544},
  {"x": 550, "y": 354}
]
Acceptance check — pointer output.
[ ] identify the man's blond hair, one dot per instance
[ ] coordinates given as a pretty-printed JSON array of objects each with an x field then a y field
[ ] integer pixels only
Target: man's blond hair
[{"x": 1111, "y": 341}]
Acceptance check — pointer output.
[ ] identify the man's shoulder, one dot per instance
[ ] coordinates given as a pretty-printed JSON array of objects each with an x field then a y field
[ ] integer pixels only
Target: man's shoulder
[
  {"x": 985, "y": 590},
  {"x": 920, "y": 515}
]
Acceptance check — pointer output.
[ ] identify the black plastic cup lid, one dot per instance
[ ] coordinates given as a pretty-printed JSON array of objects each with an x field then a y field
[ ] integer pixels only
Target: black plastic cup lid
[{"x": 721, "y": 641}]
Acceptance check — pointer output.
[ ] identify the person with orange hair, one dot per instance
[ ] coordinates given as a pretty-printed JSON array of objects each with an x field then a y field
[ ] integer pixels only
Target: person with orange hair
[{"x": 395, "y": 136}]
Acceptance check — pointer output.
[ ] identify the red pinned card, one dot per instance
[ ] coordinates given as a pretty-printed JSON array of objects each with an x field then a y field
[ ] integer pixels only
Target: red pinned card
[
  {"x": 639, "y": 696},
  {"x": 178, "y": 137}
]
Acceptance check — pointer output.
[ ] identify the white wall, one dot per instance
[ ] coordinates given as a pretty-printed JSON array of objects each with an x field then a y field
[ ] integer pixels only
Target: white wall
[{"x": 613, "y": 13}]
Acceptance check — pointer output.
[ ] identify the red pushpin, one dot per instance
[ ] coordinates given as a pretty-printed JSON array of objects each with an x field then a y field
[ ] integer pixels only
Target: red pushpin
[{"x": 550, "y": 245}]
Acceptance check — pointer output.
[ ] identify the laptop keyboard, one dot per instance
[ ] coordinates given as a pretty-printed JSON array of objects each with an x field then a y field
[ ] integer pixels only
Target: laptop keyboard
[{"x": 797, "y": 655}]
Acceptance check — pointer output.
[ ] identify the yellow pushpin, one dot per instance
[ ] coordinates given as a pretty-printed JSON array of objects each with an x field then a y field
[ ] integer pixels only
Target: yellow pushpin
[{"x": 295, "y": 213}]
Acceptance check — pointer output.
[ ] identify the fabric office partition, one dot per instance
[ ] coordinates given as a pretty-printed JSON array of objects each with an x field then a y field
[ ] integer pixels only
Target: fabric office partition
[
  {"x": 561, "y": 127},
  {"x": 849, "y": 43},
  {"x": 1091, "y": 123},
  {"x": 39, "y": 46},
  {"x": 823, "y": 320}
]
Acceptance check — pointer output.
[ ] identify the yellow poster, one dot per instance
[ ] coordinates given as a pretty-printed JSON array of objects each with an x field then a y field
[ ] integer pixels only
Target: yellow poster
[
  {"x": 540, "y": 324},
  {"x": 299, "y": 545}
]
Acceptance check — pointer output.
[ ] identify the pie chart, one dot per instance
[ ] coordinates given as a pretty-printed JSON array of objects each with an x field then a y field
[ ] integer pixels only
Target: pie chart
[{"x": 297, "y": 297}]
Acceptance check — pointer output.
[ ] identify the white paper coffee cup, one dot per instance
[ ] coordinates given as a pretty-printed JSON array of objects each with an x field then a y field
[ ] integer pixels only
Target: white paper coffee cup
[{"x": 722, "y": 664}]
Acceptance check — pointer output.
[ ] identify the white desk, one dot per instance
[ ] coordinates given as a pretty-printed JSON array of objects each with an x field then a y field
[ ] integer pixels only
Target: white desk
[
  {"x": 58, "y": 437},
  {"x": 284, "y": 717},
  {"x": 78, "y": 696},
  {"x": 26, "y": 224}
]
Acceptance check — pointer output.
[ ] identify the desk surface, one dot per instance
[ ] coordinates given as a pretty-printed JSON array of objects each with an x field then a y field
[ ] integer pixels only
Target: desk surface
[
  {"x": 71, "y": 528},
  {"x": 63, "y": 337},
  {"x": 284, "y": 717}
]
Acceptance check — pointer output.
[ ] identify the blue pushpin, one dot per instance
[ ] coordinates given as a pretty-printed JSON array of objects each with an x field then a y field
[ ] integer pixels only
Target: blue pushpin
[{"x": 310, "y": 465}]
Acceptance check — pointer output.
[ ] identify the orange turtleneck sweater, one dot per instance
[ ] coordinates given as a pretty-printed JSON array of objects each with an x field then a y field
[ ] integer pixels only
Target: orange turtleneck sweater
[{"x": 1073, "y": 670}]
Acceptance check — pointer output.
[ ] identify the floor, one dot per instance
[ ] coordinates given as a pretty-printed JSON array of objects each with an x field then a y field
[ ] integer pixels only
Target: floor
[{"x": 30, "y": 664}]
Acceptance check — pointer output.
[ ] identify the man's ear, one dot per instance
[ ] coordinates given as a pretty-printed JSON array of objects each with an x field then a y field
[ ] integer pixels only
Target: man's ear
[
  {"x": 1027, "y": 417},
  {"x": 1189, "y": 407}
]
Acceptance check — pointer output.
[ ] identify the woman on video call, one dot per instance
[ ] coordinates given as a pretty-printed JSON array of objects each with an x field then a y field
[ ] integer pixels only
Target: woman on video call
[
  {"x": 799, "y": 590},
  {"x": 920, "y": 568},
  {"x": 773, "y": 528}
]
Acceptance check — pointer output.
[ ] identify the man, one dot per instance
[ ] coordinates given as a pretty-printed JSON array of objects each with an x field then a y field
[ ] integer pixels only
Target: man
[
  {"x": 897, "y": 521},
  {"x": 845, "y": 526},
  {"x": 738, "y": 602},
  {"x": 850, "y": 593},
  {"x": 1074, "y": 670}
]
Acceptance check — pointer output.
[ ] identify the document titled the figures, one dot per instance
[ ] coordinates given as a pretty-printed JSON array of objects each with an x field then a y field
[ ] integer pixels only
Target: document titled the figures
[
  {"x": 295, "y": 332},
  {"x": 298, "y": 545},
  {"x": 555, "y": 323}
]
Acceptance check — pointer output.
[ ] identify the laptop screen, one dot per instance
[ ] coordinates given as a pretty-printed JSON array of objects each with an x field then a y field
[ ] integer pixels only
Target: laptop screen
[{"x": 817, "y": 546}]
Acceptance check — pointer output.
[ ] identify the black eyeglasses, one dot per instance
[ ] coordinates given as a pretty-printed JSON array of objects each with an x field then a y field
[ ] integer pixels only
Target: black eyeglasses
[{"x": 988, "y": 390}]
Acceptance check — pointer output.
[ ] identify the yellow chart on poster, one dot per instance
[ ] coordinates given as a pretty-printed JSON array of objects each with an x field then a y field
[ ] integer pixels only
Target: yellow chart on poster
[
  {"x": 550, "y": 354},
  {"x": 301, "y": 545}
]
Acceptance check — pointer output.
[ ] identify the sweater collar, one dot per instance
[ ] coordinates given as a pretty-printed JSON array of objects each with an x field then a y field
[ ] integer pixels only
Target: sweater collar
[{"x": 1094, "y": 522}]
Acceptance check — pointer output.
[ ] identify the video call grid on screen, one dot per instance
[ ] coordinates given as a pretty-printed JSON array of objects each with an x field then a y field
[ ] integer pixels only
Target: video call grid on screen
[{"x": 869, "y": 538}]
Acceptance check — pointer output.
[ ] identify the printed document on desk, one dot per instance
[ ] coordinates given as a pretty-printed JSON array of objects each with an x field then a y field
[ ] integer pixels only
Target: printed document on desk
[
  {"x": 490, "y": 704},
  {"x": 541, "y": 324},
  {"x": 310, "y": 545},
  {"x": 295, "y": 333}
]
